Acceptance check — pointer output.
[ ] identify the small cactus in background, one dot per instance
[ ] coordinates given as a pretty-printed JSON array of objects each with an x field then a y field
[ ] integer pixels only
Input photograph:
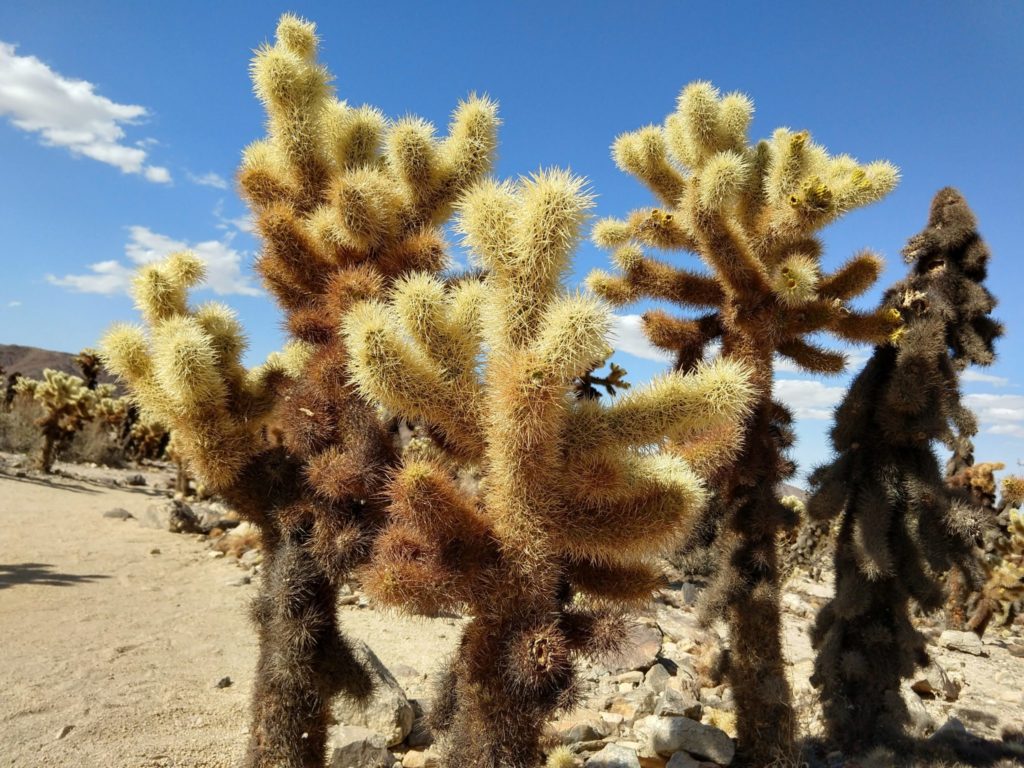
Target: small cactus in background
[
  {"x": 67, "y": 405},
  {"x": 346, "y": 202},
  {"x": 11, "y": 389},
  {"x": 900, "y": 525},
  {"x": 88, "y": 362},
  {"x": 573, "y": 506},
  {"x": 1001, "y": 599},
  {"x": 751, "y": 212}
]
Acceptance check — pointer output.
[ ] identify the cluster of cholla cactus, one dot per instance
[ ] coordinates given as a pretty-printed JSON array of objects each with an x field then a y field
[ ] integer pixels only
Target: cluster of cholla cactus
[
  {"x": 88, "y": 362},
  {"x": 346, "y": 202},
  {"x": 901, "y": 526},
  {"x": 751, "y": 213},
  {"x": 573, "y": 506},
  {"x": 67, "y": 404},
  {"x": 1001, "y": 598}
]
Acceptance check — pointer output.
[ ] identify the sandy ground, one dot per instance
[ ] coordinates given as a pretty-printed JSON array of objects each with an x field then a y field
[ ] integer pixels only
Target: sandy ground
[
  {"x": 124, "y": 646},
  {"x": 113, "y": 636}
]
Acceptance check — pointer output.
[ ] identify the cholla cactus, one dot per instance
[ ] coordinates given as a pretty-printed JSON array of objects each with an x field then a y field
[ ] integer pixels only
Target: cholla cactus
[
  {"x": 346, "y": 202},
  {"x": 901, "y": 526},
  {"x": 751, "y": 213},
  {"x": 573, "y": 505},
  {"x": 148, "y": 438},
  {"x": 88, "y": 362},
  {"x": 1002, "y": 597},
  {"x": 67, "y": 406},
  {"x": 11, "y": 389}
]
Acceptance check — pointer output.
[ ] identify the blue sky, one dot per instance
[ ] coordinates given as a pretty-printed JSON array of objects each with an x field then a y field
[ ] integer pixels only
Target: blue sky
[{"x": 121, "y": 125}]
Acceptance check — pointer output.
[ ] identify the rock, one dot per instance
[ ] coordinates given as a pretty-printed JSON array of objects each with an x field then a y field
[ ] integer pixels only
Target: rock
[
  {"x": 65, "y": 731},
  {"x": 118, "y": 514},
  {"x": 386, "y": 710},
  {"x": 135, "y": 480},
  {"x": 633, "y": 705},
  {"x": 173, "y": 516},
  {"x": 614, "y": 756},
  {"x": 656, "y": 677},
  {"x": 669, "y": 735},
  {"x": 416, "y": 759},
  {"x": 155, "y": 551},
  {"x": 682, "y": 760},
  {"x": 352, "y": 746},
  {"x": 639, "y": 651},
  {"x": 796, "y": 605},
  {"x": 673, "y": 703},
  {"x": 965, "y": 642},
  {"x": 933, "y": 681},
  {"x": 580, "y": 725},
  {"x": 677, "y": 625},
  {"x": 241, "y": 581},
  {"x": 224, "y": 682}
]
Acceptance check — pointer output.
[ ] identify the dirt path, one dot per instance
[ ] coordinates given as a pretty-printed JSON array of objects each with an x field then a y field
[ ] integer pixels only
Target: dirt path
[{"x": 124, "y": 646}]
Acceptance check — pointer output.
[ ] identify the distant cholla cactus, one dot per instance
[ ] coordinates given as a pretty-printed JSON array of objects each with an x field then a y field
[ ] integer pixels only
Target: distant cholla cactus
[
  {"x": 111, "y": 412},
  {"x": 980, "y": 482},
  {"x": 11, "y": 389},
  {"x": 900, "y": 525},
  {"x": 573, "y": 505},
  {"x": 346, "y": 203},
  {"x": 67, "y": 405},
  {"x": 587, "y": 384},
  {"x": 1002, "y": 597},
  {"x": 88, "y": 362},
  {"x": 751, "y": 212},
  {"x": 149, "y": 437}
]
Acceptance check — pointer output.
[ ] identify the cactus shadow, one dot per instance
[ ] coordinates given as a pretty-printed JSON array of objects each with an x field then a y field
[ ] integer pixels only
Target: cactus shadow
[
  {"x": 50, "y": 481},
  {"x": 15, "y": 574}
]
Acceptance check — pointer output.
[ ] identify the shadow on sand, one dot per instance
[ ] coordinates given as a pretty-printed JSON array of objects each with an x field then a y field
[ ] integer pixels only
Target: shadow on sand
[{"x": 42, "y": 573}]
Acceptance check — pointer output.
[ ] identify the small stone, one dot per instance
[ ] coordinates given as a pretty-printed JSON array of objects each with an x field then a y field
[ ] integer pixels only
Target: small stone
[
  {"x": 215, "y": 555},
  {"x": 656, "y": 677},
  {"x": 682, "y": 760},
  {"x": 135, "y": 480},
  {"x": 118, "y": 514},
  {"x": 639, "y": 651},
  {"x": 933, "y": 682},
  {"x": 673, "y": 703},
  {"x": 580, "y": 725},
  {"x": 352, "y": 746},
  {"x": 633, "y": 705},
  {"x": 614, "y": 756},
  {"x": 348, "y": 599},
  {"x": 417, "y": 759},
  {"x": 669, "y": 735},
  {"x": 965, "y": 642},
  {"x": 173, "y": 516},
  {"x": 224, "y": 682},
  {"x": 921, "y": 723},
  {"x": 241, "y": 581},
  {"x": 386, "y": 710},
  {"x": 65, "y": 731},
  {"x": 155, "y": 551}
]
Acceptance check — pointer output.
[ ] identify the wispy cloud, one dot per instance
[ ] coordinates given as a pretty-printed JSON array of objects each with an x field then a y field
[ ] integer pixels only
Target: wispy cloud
[
  {"x": 627, "y": 335},
  {"x": 984, "y": 378},
  {"x": 809, "y": 399},
  {"x": 13, "y": 304},
  {"x": 998, "y": 414},
  {"x": 210, "y": 179},
  {"x": 223, "y": 265},
  {"x": 69, "y": 113}
]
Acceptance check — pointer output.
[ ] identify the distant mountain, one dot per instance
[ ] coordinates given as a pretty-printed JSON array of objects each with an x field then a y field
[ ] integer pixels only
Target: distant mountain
[
  {"x": 785, "y": 489},
  {"x": 31, "y": 361}
]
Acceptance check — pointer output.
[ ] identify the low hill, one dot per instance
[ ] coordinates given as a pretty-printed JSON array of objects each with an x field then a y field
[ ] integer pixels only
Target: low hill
[{"x": 31, "y": 361}]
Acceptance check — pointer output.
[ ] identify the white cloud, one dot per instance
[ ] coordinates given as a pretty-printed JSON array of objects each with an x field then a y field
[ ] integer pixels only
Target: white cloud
[
  {"x": 627, "y": 335},
  {"x": 985, "y": 378},
  {"x": 223, "y": 265},
  {"x": 809, "y": 399},
  {"x": 13, "y": 304},
  {"x": 69, "y": 113},
  {"x": 998, "y": 414},
  {"x": 210, "y": 179},
  {"x": 855, "y": 359}
]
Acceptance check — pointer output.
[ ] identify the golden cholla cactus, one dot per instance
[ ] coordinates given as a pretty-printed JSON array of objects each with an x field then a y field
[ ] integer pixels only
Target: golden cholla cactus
[
  {"x": 1002, "y": 597},
  {"x": 67, "y": 405},
  {"x": 751, "y": 213},
  {"x": 88, "y": 362},
  {"x": 346, "y": 202},
  {"x": 575, "y": 500}
]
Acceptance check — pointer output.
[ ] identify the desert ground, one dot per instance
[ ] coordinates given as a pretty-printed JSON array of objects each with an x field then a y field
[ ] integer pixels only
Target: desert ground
[{"x": 126, "y": 645}]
